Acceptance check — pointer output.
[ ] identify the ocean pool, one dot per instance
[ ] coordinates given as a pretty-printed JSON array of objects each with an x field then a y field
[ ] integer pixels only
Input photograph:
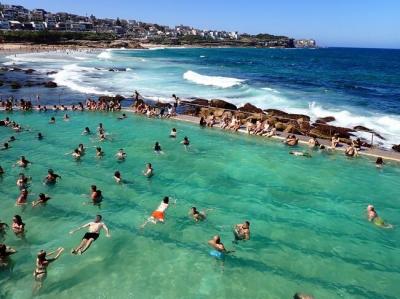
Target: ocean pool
[{"x": 308, "y": 230}]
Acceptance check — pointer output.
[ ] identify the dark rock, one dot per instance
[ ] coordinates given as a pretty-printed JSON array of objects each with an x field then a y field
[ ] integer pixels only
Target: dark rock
[
  {"x": 396, "y": 148},
  {"x": 117, "y": 69},
  {"x": 15, "y": 85},
  {"x": 365, "y": 129},
  {"x": 250, "y": 108},
  {"x": 117, "y": 98},
  {"x": 282, "y": 114},
  {"x": 1, "y": 83},
  {"x": 327, "y": 131},
  {"x": 15, "y": 69},
  {"x": 200, "y": 102},
  {"x": 51, "y": 73},
  {"x": 29, "y": 71},
  {"x": 325, "y": 120},
  {"x": 50, "y": 84},
  {"x": 222, "y": 104}
]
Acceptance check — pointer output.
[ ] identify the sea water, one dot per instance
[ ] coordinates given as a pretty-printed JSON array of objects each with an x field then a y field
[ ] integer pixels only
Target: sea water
[
  {"x": 309, "y": 232},
  {"x": 356, "y": 86}
]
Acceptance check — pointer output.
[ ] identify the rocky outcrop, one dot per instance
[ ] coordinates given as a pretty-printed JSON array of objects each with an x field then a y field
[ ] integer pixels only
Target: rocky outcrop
[
  {"x": 396, "y": 148},
  {"x": 327, "y": 131},
  {"x": 117, "y": 98},
  {"x": 50, "y": 84},
  {"x": 125, "y": 44},
  {"x": 15, "y": 85},
  {"x": 324, "y": 120},
  {"x": 200, "y": 102},
  {"x": 365, "y": 129},
  {"x": 285, "y": 115},
  {"x": 51, "y": 73},
  {"x": 222, "y": 104},
  {"x": 117, "y": 69},
  {"x": 29, "y": 71},
  {"x": 250, "y": 108}
]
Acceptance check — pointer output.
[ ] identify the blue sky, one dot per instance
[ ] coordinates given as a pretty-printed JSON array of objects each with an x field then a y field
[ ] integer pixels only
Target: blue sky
[{"x": 357, "y": 23}]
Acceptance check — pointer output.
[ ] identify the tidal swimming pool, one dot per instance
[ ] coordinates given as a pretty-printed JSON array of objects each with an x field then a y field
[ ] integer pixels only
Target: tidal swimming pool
[{"x": 308, "y": 228}]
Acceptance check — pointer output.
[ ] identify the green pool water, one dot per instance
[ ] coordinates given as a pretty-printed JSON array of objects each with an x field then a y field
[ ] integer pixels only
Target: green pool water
[{"x": 308, "y": 228}]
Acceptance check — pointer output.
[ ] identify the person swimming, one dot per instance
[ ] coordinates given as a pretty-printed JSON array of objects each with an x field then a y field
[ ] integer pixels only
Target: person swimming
[
  {"x": 117, "y": 177},
  {"x": 5, "y": 252},
  {"x": 99, "y": 152},
  {"x": 122, "y": 117},
  {"x": 43, "y": 199},
  {"x": 148, "y": 172},
  {"x": 196, "y": 215},
  {"x": 158, "y": 214},
  {"x": 23, "y": 181},
  {"x": 11, "y": 139},
  {"x": 76, "y": 154},
  {"x": 219, "y": 249},
  {"x": 375, "y": 219},
  {"x": 121, "y": 155},
  {"x": 291, "y": 140},
  {"x": 6, "y": 146},
  {"x": 22, "y": 198},
  {"x": 66, "y": 117},
  {"x": 297, "y": 153},
  {"x": 81, "y": 149},
  {"x": 39, "y": 136},
  {"x": 22, "y": 162},
  {"x": 91, "y": 236},
  {"x": 379, "y": 162},
  {"x": 1, "y": 171},
  {"x": 42, "y": 262},
  {"x": 52, "y": 120},
  {"x": 157, "y": 148},
  {"x": 51, "y": 177},
  {"x": 173, "y": 133},
  {"x": 86, "y": 131},
  {"x": 17, "y": 226},
  {"x": 242, "y": 231}
]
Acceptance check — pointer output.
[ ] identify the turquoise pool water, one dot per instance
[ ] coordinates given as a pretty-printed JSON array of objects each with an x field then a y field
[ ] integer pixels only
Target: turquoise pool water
[{"x": 309, "y": 232}]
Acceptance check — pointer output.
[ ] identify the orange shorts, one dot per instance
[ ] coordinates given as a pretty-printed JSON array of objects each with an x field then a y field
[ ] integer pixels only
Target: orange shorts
[{"x": 158, "y": 215}]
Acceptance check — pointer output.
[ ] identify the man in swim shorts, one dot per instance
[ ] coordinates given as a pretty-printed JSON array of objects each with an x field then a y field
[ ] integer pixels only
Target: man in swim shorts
[
  {"x": 159, "y": 214},
  {"x": 219, "y": 249},
  {"x": 91, "y": 236},
  {"x": 242, "y": 231}
]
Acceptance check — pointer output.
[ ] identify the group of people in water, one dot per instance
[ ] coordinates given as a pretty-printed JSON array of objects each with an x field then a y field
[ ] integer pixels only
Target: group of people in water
[{"x": 218, "y": 250}]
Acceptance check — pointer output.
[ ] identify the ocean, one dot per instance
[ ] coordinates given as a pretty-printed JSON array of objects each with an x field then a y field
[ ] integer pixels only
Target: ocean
[{"x": 356, "y": 86}]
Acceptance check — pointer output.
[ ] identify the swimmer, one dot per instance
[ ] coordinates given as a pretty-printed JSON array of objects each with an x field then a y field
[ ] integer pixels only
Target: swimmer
[
  {"x": 22, "y": 198},
  {"x": 92, "y": 234},
  {"x": 242, "y": 231},
  {"x": 66, "y": 117},
  {"x": 117, "y": 177},
  {"x": 22, "y": 181},
  {"x": 99, "y": 152},
  {"x": 18, "y": 226},
  {"x": 121, "y": 155},
  {"x": 100, "y": 129},
  {"x": 373, "y": 217},
  {"x": 159, "y": 214},
  {"x": 42, "y": 262},
  {"x": 313, "y": 142},
  {"x": 52, "y": 120},
  {"x": 379, "y": 162},
  {"x": 148, "y": 172},
  {"x": 351, "y": 151},
  {"x": 186, "y": 142},
  {"x": 1, "y": 171},
  {"x": 302, "y": 296},
  {"x": 122, "y": 117},
  {"x": 12, "y": 138},
  {"x": 43, "y": 199},
  {"x": 6, "y": 146},
  {"x": 196, "y": 215},
  {"x": 81, "y": 149},
  {"x": 22, "y": 162},
  {"x": 304, "y": 154},
  {"x": 86, "y": 131},
  {"x": 291, "y": 140},
  {"x": 5, "y": 252},
  {"x": 219, "y": 248},
  {"x": 96, "y": 197},
  {"x": 173, "y": 133},
  {"x": 157, "y": 148},
  {"x": 51, "y": 177},
  {"x": 39, "y": 136},
  {"x": 76, "y": 154}
]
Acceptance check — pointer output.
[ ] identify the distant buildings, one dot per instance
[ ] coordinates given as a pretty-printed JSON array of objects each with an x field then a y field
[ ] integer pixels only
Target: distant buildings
[{"x": 16, "y": 17}]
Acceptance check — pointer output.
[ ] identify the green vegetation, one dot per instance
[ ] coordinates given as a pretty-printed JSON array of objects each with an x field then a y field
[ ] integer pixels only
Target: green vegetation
[{"x": 52, "y": 37}]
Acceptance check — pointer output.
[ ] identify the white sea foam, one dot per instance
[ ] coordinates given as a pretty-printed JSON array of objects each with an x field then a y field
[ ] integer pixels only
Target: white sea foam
[
  {"x": 270, "y": 89},
  {"x": 105, "y": 55},
  {"x": 222, "y": 82},
  {"x": 202, "y": 56},
  {"x": 72, "y": 77}
]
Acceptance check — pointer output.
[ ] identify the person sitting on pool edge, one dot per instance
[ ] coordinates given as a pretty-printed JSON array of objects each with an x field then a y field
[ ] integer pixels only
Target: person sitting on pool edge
[
  {"x": 241, "y": 231},
  {"x": 374, "y": 218},
  {"x": 335, "y": 140},
  {"x": 92, "y": 234},
  {"x": 158, "y": 214}
]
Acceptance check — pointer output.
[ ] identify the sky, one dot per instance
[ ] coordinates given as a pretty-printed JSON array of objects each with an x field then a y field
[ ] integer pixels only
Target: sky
[{"x": 335, "y": 23}]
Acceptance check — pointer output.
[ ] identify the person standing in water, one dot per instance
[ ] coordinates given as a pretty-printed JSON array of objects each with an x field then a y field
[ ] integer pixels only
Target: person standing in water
[
  {"x": 43, "y": 199},
  {"x": 51, "y": 177},
  {"x": 219, "y": 249},
  {"x": 148, "y": 172},
  {"x": 42, "y": 262},
  {"x": 18, "y": 226},
  {"x": 242, "y": 231},
  {"x": 196, "y": 215},
  {"x": 173, "y": 133},
  {"x": 92, "y": 234},
  {"x": 158, "y": 215},
  {"x": 375, "y": 219},
  {"x": 157, "y": 148},
  {"x": 121, "y": 155}
]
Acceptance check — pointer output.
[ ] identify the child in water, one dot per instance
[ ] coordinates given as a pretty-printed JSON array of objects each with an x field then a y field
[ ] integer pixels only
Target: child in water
[{"x": 373, "y": 217}]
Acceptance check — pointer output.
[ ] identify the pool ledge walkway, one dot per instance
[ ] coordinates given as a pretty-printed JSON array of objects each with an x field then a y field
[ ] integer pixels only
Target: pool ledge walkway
[{"x": 370, "y": 152}]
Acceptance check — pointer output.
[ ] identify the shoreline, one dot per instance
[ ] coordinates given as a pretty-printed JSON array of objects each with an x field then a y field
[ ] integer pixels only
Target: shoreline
[{"x": 303, "y": 140}]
